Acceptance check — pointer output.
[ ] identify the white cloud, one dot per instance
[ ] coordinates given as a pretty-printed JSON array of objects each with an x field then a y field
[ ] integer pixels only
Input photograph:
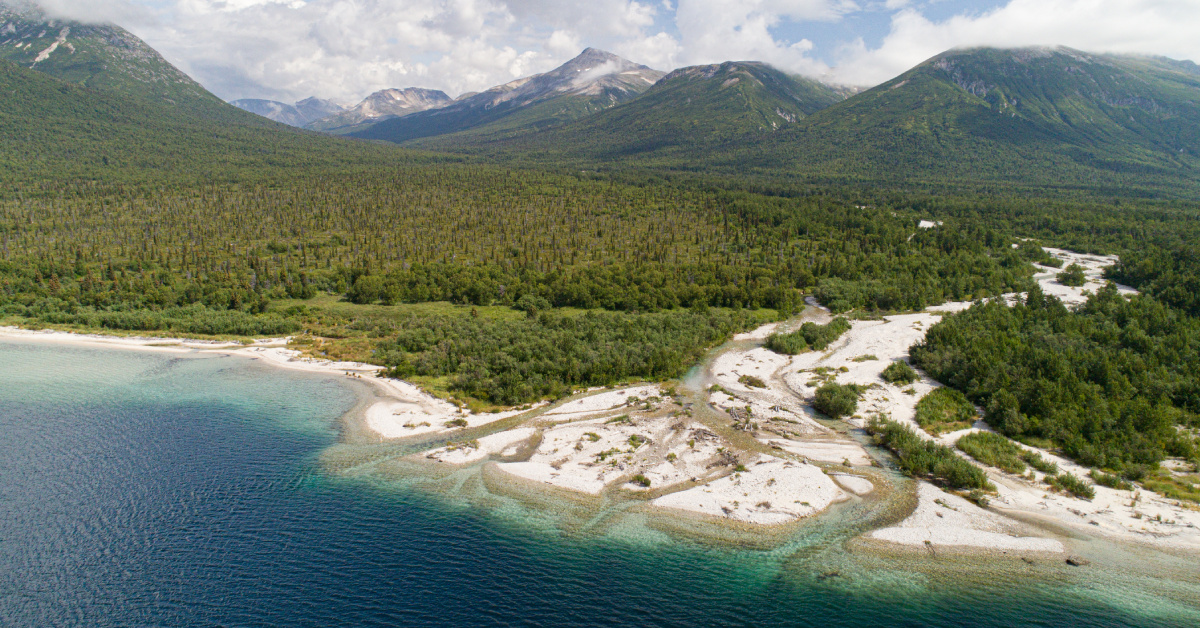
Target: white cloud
[
  {"x": 345, "y": 49},
  {"x": 1163, "y": 27}
]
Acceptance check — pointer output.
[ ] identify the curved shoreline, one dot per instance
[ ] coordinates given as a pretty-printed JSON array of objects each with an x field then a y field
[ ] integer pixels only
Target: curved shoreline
[{"x": 400, "y": 414}]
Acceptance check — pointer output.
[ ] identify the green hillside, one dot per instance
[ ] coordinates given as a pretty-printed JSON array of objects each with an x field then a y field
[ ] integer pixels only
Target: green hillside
[
  {"x": 1032, "y": 116},
  {"x": 100, "y": 56},
  {"x": 1028, "y": 121},
  {"x": 59, "y": 134},
  {"x": 690, "y": 108}
]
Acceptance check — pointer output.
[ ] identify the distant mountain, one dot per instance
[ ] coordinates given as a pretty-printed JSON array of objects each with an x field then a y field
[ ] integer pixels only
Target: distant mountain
[
  {"x": 699, "y": 106},
  {"x": 382, "y": 105},
  {"x": 298, "y": 115},
  {"x": 591, "y": 82},
  {"x": 1029, "y": 117},
  {"x": 94, "y": 55},
  {"x": 1050, "y": 116}
]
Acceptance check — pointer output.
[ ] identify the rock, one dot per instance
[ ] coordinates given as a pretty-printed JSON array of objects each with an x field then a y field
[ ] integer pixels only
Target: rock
[{"x": 1078, "y": 561}]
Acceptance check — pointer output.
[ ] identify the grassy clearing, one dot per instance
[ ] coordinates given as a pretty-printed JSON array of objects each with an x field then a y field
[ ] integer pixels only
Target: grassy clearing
[{"x": 1185, "y": 487}]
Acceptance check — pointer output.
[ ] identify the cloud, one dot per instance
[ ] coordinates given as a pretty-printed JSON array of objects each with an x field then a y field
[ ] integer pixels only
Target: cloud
[
  {"x": 345, "y": 49},
  {"x": 1162, "y": 27}
]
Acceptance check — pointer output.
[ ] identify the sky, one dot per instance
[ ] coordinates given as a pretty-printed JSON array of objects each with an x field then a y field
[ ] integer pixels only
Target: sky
[{"x": 345, "y": 49}]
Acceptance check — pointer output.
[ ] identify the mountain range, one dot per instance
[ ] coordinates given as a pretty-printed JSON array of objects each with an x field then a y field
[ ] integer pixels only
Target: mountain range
[
  {"x": 298, "y": 114},
  {"x": 1032, "y": 117},
  {"x": 591, "y": 82}
]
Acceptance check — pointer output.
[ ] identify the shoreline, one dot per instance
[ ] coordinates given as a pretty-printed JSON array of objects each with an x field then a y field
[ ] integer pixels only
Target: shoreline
[{"x": 556, "y": 446}]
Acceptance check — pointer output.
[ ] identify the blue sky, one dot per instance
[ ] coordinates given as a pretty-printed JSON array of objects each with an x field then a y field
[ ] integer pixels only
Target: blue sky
[{"x": 346, "y": 49}]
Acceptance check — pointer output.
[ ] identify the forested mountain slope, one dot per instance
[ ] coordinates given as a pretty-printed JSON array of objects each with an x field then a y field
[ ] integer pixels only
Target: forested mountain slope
[
  {"x": 100, "y": 56},
  {"x": 1031, "y": 120},
  {"x": 58, "y": 135},
  {"x": 1048, "y": 116},
  {"x": 692, "y": 107}
]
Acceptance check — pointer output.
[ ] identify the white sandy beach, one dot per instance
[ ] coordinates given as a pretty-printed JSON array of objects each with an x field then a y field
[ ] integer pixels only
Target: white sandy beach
[{"x": 624, "y": 439}]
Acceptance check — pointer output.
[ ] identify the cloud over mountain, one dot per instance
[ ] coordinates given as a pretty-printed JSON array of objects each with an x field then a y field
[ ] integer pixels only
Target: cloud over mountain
[{"x": 346, "y": 49}]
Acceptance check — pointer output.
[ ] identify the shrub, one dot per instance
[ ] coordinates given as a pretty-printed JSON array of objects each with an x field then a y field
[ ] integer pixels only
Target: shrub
[
  {"x": 1071, "y": 484},
  {"x": 460, "y": 422},
  {"x": 924, "y": 458},
  {"x": 836, "y": 400},
  {"x": 1072, "y": 276},
  {"x": 899, "y": 373},
  {"x": 1111, "y": 481},
  {"x": 752, "y": 381},
  {"x": 1036, "y": 461},
  {"x": 787, "y": 344},
  {"x": 642, "y": 480},
  {"x": 809, "y": 336},
  {"x": 944, "y": 410},
  {"x": 993, "y": 450}
]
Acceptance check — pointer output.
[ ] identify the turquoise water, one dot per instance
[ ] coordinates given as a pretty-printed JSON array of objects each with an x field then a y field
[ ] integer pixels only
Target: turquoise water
[{"x": 150, "y": 489}]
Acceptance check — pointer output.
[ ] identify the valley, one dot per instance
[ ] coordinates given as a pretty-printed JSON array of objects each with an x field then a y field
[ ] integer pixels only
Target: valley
[{"x": 942, "y": 327}]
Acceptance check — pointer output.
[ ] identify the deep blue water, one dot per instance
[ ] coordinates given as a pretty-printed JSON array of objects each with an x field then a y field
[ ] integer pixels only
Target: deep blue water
[{"x": 143, "y": 489}]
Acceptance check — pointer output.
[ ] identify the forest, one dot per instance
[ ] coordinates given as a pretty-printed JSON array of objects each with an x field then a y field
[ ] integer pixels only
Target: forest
[
  {"x": 347, "y": 256},
  {"x": 1114, "y": 384}
]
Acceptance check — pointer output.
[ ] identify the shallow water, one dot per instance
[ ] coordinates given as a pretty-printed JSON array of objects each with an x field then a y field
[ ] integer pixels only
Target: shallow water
[{"x": 156, "y": 489}]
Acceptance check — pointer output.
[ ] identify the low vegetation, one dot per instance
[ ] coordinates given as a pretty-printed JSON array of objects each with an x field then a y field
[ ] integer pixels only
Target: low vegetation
[
  {"x": 810, "y": 336},
  {"x": 837, "y": 400},
  {"x": 926, "y": 459},
  {"x": 752, "y": 381},
  {"x": 1069, "y": 483},
  {"x": 997, "y": 451},
  {"x": 1110, "y": 480},
  {"x": 899, "y": 373},
  {"x": 944, "y": 410}
]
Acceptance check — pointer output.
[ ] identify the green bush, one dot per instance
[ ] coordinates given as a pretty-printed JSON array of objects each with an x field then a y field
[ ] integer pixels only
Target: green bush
[
  {"x": 993, "y": 450},
  {"x": 926, "y": 459},
  {"x": 945, "y": 410},
  {"x": 1072, "y": 276},
  {"x": 1111, "y": 481},
  {"x": 837, "y": 400},
  {"x": 997, "y": 451},
  {"x": 809, "y": 336},
  {"x": 1071, "y": 484},
  {"x": 752, "y": 381},
  {"x": 642, "y": 480},
  {"x": 899, "y": 373}
]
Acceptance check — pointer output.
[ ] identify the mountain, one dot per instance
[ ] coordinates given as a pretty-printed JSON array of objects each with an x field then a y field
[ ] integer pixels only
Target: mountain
[
  {"x": 382, "y": 105},
  {"x": 1044, "y": 116},
  {"x": 699, "y": 106},
  {"x": 1031, "y": 118},
  {"x": 101, "y": 56},
  {"x": 591, "y": 82},
  {"x": 298, "y": 115}
]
